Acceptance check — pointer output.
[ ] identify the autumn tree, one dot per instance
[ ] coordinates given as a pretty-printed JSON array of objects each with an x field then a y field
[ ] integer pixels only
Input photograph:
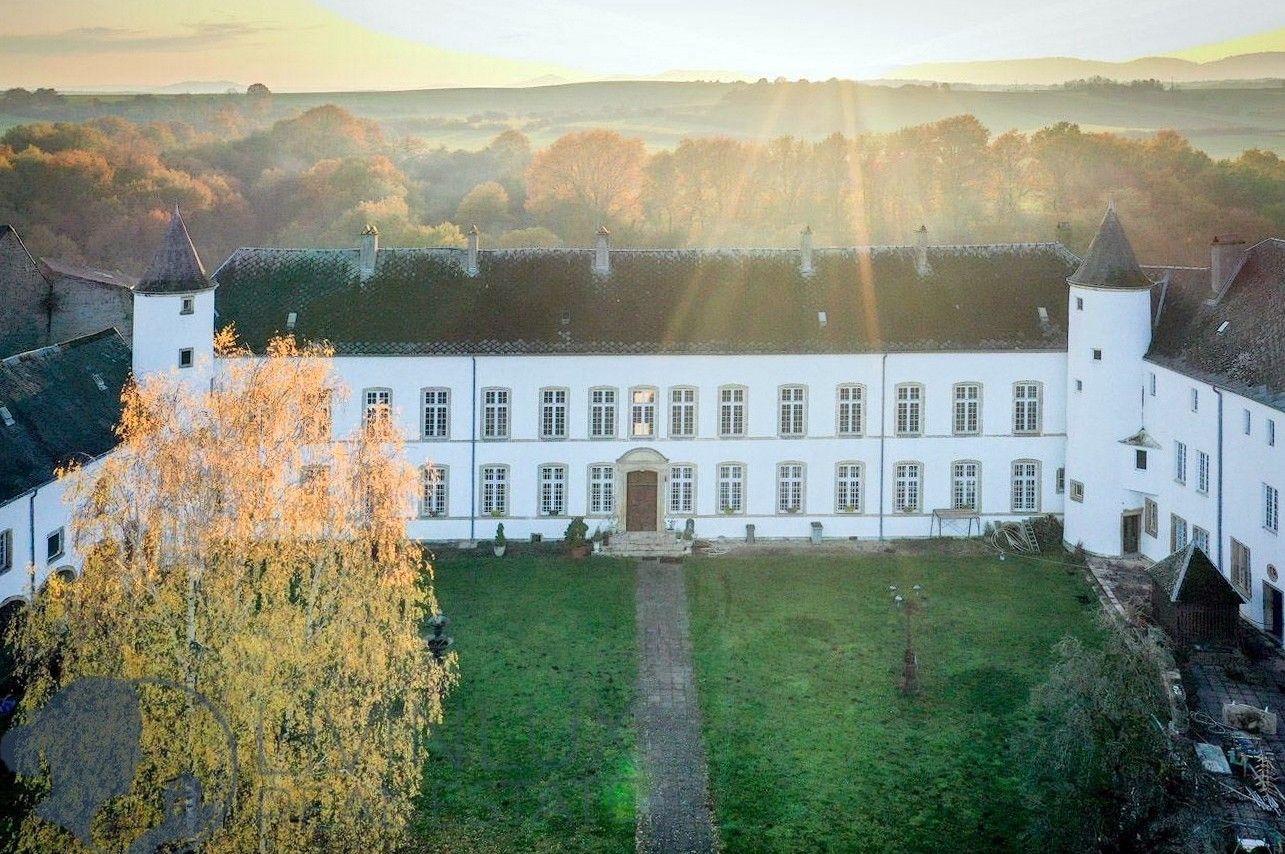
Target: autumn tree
[
  {"x": 486, "y": 206},
  {"x": 239, "y": 562},
  {"x": 585, "y": 179}
]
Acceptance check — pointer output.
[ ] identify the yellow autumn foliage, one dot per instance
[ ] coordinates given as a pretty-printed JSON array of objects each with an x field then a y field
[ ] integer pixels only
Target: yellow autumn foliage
[{"x": 240, "y": 564}]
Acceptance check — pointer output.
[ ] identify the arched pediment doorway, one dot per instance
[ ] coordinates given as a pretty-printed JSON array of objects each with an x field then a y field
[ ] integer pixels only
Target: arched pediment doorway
[{"x": 641, "y": 475}]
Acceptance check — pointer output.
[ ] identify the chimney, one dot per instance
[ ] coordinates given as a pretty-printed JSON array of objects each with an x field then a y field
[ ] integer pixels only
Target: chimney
[
  {"x": 369, "y": 251},
  {"x": 805, "y": 251},
  {"x": 470, "y": 265},
  {"x": 922, "y": 267},
  {"x": 602, "y": 252},
  {"x": 1226, "y": 253}
]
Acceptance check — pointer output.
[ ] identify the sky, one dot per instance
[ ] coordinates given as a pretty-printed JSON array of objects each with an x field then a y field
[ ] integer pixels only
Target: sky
[{"x": 391, "y": 44}]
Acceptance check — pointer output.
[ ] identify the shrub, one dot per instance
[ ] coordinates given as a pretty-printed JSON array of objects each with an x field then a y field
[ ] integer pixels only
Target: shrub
[{"x": 576, "y": 531}]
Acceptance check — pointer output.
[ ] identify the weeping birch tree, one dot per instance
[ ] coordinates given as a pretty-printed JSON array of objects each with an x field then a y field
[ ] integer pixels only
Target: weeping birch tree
[{"x": 253, "y": 582}]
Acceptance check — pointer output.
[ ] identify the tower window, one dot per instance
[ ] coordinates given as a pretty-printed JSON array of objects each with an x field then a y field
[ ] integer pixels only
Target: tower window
[
  {"x": 189, "y": 306},
  {"x": 1140, "y": 459},
  {"x": 1097, "y": 355},
  {"x": 1079, "y": 385},
  {"x": 1079, "y": 303},
  {"x": 185, "y": 357}
]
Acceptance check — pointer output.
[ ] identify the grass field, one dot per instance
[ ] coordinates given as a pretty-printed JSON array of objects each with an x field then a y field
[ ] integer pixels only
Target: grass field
[
  {"x": 811, "y": 745},
  {"x": 537, "y": 751}
]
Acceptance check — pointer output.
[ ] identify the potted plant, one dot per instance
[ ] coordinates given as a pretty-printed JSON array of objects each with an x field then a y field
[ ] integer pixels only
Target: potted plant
[
  {"x": 500, "y": 544},
  {"x": 577, "y": 545}
]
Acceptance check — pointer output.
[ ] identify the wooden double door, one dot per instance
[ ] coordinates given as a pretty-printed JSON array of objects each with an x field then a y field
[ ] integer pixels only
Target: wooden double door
[{"x": 640, "y": 501}]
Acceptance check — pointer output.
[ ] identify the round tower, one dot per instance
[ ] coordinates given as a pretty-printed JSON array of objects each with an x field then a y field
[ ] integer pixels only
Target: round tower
[
  {"x": 174, "y": 312},
  {"x": 1108, "y": 333}
]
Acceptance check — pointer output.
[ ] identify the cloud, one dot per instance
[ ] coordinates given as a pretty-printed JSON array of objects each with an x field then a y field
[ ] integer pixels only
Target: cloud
[{"x": 96, "y": 40}]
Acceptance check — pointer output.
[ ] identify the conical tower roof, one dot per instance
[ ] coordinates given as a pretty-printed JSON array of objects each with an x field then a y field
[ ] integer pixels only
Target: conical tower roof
[
  {"x": 1110, "y": 262},
  {"x": 176, "y": 268}
]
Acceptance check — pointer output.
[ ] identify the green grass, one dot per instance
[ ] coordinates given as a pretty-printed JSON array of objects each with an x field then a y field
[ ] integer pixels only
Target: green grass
[
  {"x": 811, "y": 745},
  {"x": 537, "y": 750}
]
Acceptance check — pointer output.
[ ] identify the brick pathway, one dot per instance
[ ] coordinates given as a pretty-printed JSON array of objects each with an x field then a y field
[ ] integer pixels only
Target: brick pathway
[{"x": 675, "y": 816}]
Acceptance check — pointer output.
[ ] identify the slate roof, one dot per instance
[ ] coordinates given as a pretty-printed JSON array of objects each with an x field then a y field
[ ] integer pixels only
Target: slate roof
[
  {"x": 1110, "y": 262},
  {"x": 1188, "y": 575},
  {"x": 65, "y": 269},
  {"x": 176, "y": 268},
  {"x": 1248, "y": 355},
  {"x": 421, "y": 301},
  {"x": 59, "y": 413}
]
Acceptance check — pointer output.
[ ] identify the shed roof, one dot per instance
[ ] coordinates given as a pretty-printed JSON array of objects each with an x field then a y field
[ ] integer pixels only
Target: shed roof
[
  {"x": 64, "y": 402},
  {"x": 653, "y": 301},
  {"x": 1188, "y": 576}
]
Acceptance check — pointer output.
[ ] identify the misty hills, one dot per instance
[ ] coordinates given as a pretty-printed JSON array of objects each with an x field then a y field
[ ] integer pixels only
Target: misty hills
[{"x": 1060, "y": 69}]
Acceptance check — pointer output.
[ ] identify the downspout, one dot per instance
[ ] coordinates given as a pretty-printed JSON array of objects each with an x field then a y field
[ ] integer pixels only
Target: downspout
[
  {"x": 1219, "y": 392},
  {"x": 472, "y": 468},
  {"x": 883, "y": 431},
  {"x": 31, "y": 542}
]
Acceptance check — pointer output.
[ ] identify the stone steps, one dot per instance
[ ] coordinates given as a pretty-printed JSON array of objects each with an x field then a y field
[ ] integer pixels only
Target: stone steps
[{"x": 647, "y": 544}]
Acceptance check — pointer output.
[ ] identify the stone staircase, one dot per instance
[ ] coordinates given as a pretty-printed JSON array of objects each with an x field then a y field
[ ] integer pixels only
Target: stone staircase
[{"x": 647, "y": 544}]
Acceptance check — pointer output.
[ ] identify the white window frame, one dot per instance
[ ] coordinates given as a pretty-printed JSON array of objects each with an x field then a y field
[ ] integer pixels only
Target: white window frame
[
  {"x": 1178, "y": 532},
  {"x": 434, "y": 492},
  {"x": 187, "y": 305},
  {"x": 376, "y": 405},
  {"x": 966, "y": 485},
  {"x": 682, "y": 488},
  {"x": 602, "y": 489},
  {"x": 730, "y": 488},
  {"x": 909, "y": 419},
  {"x": 642, "y": 412},
  {"x": 435, "y": 423},
  {"x": 551, "y": 490},
  {"x": 908, "y": 487},
  {"x": 850, "y": 409},
  {"x": 1200, "y": 537},
  {"x": 494, "y": 493},
  {"x": 849, "y": 480},
  {"x": 1180, "y": 462},
  {"x": 683, "y": 413},
  {"x": 792, "y": 411},
  {"x": 497, "y": 413},
  {"x": 1242, "y": 571},
  {"x": 733, "y": 411},
  {"x": 1028, "y": 407},
  {"x": 1026, "y": 494},
  {"x": 791, "y": 487},
  {"x": 1271, "y": 508},
  {"x": 1151, "y": 517},
  {"x": 966, "y": 409},
  {"x": 1202, "y": 472},
  {"x": 603, "y": 408},
  {"x": 554, "y": 404}
]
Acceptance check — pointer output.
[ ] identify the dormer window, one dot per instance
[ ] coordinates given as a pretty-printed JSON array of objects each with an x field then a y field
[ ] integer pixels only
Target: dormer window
[
  {"x": 291, "y": 319},
  {"x": 6, "y": 416},
  {"x": 189, "y": 306},
  {"x": 98, "y": 381}
]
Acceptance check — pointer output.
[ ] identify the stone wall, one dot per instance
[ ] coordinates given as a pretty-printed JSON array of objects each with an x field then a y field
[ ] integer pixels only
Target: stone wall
[{"x": 24, "y": 295}]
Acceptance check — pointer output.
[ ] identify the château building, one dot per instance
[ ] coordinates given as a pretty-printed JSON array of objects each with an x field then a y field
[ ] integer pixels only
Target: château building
[{"x": 868, "y": 392}]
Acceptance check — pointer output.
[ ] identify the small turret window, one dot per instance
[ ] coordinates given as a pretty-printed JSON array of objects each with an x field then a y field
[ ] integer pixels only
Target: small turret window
[
  {"x": 185, "y": 357},
  {"x": 1097, "y": 355},
  {"x": 189, "y": 305}
]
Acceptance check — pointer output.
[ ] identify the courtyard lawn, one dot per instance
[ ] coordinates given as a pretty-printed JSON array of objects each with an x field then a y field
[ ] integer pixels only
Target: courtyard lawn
[
  {"x": 537, "y": 750},
  {"x": 812, "y": 747}
]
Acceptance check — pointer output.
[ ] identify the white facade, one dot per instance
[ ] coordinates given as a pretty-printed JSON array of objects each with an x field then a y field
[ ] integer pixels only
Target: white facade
[
  {"x": 878, "y": 448},
  {"x": 37, "y": 534},
  {"x": 173, "y": 332}
]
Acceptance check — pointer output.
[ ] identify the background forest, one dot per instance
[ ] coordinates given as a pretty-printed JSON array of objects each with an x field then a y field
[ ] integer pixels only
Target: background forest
[{"x": 97, "y": 190}]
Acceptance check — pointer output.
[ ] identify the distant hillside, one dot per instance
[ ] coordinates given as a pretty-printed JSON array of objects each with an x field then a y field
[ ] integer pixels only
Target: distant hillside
[{"x": 1060, "y": 69}]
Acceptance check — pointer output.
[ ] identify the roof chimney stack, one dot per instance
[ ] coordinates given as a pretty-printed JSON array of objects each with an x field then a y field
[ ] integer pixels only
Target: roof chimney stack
[
  {"x": 922, "y": 267},
  {"x": 1226, "y": 253},
  {"x": 805, "y": 251},
  {"x": 368, "y": 252},
  {"x": 470, "y": 265},
  {"x": 602, "y": 252}
]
